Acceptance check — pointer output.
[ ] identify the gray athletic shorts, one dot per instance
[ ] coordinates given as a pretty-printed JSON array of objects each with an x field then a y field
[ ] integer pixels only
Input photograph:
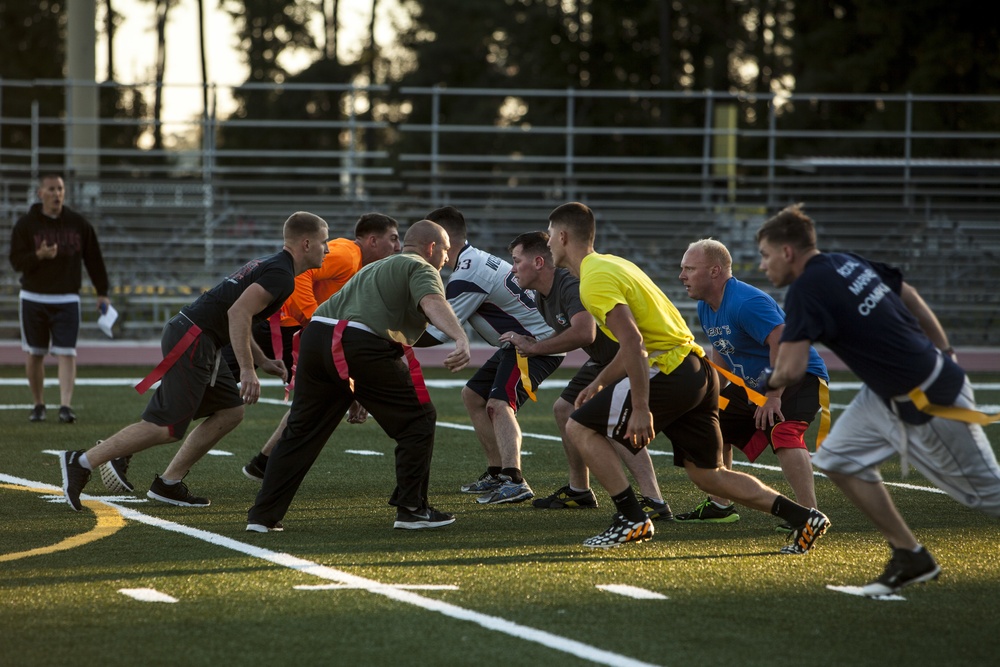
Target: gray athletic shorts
[{"x": 956, "y": 457}]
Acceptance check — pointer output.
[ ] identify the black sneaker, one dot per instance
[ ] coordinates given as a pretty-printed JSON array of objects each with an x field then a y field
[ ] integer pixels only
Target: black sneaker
[
  {"x": 804, "y": 537},
  {"x": 255, "y": 469},
  {"x": 66, "y": 414},
  {"x": 905, "y": 568},
  {"x": 621, "y": 531},
  {"x": 37, "y": 413},
  {"x": 175, "y": 494},
  {"x": 264, "y": 528},
  {"x": 425, "y": 518},
  {"x": 709, "y": 512},
  {"x": 566, "y": 498},
  {"x": 113, "y": 474},
  {"x": 657, "y": 510},
  {"x": 75, "y": 477}
]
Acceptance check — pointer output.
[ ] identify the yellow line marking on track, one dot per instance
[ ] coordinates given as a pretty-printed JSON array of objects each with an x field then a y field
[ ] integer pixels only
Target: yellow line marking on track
[{"x": 109, "y": 522}]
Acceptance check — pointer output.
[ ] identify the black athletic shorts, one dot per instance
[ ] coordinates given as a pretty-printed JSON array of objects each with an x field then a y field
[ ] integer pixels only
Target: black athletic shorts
[
  {"x": 500, "y": 377},
  {"x": 685, "y": 407}
]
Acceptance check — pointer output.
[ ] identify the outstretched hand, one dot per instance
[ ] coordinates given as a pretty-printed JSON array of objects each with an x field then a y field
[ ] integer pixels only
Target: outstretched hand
[
  {"x": 275, "y": 367},
  {"x": 459, "y": 357}
]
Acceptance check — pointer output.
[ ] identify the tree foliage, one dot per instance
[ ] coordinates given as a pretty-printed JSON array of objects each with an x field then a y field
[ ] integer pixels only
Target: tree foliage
[{"x": 923, "y": 47}]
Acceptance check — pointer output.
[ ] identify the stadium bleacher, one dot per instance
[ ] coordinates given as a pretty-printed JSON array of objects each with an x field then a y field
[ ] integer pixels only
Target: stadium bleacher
[{"x": 169, "y": 232}]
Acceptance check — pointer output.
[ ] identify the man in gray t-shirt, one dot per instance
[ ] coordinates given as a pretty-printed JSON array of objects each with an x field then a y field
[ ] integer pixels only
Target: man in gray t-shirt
[{"x": 557, "y": 297}]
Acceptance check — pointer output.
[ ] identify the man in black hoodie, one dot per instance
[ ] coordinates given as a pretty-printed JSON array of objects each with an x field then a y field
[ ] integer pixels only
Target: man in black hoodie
[{"x": 49, "y": 246}]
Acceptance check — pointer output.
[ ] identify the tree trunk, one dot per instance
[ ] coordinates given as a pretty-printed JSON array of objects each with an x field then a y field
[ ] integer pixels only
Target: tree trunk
[
  {"x": 110, "y": 27},
  {"x": 162, "y": 9},
  {"x": 333, "y": 30},
  {"x": 204, "y": 62}
]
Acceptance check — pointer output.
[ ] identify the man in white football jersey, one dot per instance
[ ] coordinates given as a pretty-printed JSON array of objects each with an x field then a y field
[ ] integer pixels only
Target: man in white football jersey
[{"x": 483, "y": 291}]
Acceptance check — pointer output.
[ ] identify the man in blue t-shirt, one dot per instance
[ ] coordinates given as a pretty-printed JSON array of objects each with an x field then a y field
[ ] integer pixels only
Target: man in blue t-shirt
[
  {"x": 744, "y": 326},
  {"x": 888, "y": 336}
]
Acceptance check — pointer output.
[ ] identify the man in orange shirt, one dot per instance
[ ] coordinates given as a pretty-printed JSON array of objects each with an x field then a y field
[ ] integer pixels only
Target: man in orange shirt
[{"x": 376, "y": 236}]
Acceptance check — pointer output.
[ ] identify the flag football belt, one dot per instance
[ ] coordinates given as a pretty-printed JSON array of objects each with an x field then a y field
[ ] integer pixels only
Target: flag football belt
[
  {"x": 168, "y": 361},
  {"x": 340, "y": 361},
  {"x": 522, "y": 366},
  {"x": 759, "y": 399},
  {"x": 953, "y": 412}
]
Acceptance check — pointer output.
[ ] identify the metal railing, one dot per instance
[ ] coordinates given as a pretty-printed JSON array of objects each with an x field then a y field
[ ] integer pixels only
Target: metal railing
[{"x": 916, "y": 182}]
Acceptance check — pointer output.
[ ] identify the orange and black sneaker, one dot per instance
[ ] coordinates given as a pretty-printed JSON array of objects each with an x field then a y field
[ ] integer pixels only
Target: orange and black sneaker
[
  {"x": 620, "y": 531},
  {"x": 804, "y": 537}
]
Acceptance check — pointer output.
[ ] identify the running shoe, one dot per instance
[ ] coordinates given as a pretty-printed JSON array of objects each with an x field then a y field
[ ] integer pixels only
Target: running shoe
[
  {"x": 175, "y": 494},
  {"x": 255, "y": 469},
  {"x": 656, "y": 509},
  {"x": 709, "y": 512},
  {"x": 113, "y": 474},
  {"x": 484, "y": 484},
  {"x": 804, "y": 537},
  {"x": 566, "y": 498},
  {"x": 904, "y": 569},
  {"x": 428, "y": 517},
  {"x": 75, "y": 477},
  {"x": 262, "y": 528},
  {"x": 509, "y": 491},
  {"x": 621, "y": 531}
]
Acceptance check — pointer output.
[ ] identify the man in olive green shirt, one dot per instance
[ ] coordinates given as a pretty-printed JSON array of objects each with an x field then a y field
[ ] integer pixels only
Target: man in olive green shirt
[{"x": 356, "y": 348}]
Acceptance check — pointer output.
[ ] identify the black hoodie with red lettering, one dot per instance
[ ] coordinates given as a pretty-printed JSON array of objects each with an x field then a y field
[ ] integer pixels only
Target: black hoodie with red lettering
[{"x": 78, "y": 247}]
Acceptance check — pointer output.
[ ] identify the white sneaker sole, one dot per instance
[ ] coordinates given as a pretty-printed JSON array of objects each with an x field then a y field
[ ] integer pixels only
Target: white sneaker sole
[
  {"x": 261, "y": 528},
  {"x": 418, "y": 525},
  {"x": 112, "y": 481}
]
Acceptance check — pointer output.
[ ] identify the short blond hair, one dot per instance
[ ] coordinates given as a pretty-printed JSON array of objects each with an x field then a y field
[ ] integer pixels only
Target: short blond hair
[{"x": 716, "y": 252}]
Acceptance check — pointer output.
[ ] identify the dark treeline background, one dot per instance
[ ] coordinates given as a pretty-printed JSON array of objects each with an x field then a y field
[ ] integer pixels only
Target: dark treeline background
[{"x": 741, "y": 46}]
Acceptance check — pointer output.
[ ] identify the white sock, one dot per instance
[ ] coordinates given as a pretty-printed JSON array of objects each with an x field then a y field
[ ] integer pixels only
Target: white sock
[
  {"x": 170, "y": 482},
  {"x": 84, "y": 462},
  {"x": 722, "y": 507}
]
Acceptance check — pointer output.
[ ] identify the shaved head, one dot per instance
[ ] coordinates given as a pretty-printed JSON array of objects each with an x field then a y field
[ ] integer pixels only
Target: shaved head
[{"x": 424, "y": 232}]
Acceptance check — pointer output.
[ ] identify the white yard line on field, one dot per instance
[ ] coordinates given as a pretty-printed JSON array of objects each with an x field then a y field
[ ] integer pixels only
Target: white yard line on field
[{"x": 494, "y": 623}]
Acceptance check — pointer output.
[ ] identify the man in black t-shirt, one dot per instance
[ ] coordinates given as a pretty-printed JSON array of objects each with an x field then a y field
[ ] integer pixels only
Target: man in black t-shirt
[
  {"x": 194, "y": 383},
  {"x": 887, "y": 335}
]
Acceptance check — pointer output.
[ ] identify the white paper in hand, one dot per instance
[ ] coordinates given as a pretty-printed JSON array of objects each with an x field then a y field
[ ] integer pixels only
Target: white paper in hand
[{"x": 107, "y": 320}]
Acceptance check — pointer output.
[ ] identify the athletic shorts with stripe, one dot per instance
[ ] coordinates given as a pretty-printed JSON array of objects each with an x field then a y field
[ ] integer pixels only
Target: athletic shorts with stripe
[
  {"x": 956, "y": 457},
  {"x": 50, "y": 327},
  {"x": 187, "y": 391},
  {"x": 685, "y": 408},
  {"x": 799, "y": 405},
  {"x": 500, "y": 377}
]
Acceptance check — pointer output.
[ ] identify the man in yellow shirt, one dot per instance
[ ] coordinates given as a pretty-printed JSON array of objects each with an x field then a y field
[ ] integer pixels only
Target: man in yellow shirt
[{"x": 658, "y": 382}]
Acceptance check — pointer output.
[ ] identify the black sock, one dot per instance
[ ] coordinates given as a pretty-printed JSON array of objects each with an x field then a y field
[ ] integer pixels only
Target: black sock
[
  {"x": 790, "y": 511},
  {"x": 628, "y": 505},
  {"x": 514, "y": 474},
  {"x": 493, "y": 470}
]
